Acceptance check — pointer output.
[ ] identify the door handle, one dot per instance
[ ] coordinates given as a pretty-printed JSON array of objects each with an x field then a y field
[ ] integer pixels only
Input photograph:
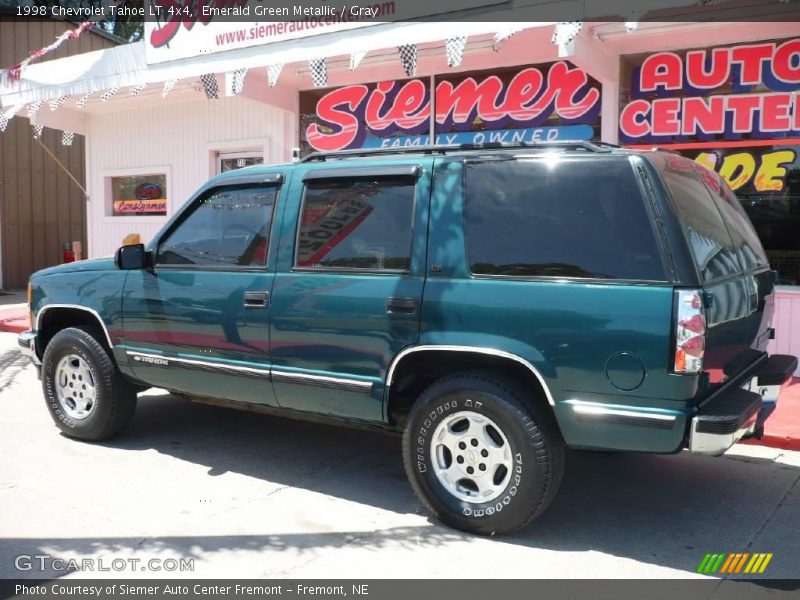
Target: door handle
[
  {"x": 256, "y": 299},
  {"x": 405, "y": 306}
]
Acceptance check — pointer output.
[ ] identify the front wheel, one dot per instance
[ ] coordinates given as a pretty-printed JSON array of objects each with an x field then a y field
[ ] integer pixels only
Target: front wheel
[
  {"x": 479, "y": 457},
  {"x": 85, "y": 391}
]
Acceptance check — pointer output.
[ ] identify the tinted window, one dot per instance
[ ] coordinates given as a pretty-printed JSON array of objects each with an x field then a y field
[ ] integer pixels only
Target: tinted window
[
  {"x": 709, "y": 239},
  {"x": 562, "y": 217},
  {"x": 226, "y": 227},
  {"x": 356, "y": 224},
  {"x": 743, "y": 234}
]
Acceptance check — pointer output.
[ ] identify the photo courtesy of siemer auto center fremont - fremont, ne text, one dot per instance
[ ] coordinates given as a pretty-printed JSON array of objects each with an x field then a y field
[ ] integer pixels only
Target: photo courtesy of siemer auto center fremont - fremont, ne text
[{"x": 393, "y": 298}]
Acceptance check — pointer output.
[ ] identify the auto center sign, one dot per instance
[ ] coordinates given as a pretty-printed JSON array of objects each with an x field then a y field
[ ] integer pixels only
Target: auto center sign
[
  {"x": 734, "y": 93},
  {"x": 557, "y": 101}
]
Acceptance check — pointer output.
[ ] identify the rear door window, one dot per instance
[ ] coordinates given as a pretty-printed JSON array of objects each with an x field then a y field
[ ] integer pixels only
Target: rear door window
[
  {"x": 710, "y": 241},
  {"x": 558, "y": 216},
  {"x": 362, "y": 224}
]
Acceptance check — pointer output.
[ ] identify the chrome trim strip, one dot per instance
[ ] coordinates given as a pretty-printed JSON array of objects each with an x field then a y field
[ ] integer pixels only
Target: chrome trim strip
[
  {"x": 77, "y": 307},
  {"x": 323, "y": 380},
  {"x": 479, "y": 350},
  {"x": 595, "y": 408},
  {"x": 202, "y": 363}
]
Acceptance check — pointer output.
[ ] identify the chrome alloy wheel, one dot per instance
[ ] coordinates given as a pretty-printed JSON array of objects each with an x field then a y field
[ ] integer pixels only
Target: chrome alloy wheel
[
  {"x": 471, "y": 457},
  {"x": 75, "y": 387}
]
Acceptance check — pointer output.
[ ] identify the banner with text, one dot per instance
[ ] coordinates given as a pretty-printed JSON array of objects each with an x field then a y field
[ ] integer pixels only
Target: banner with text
[{"x": 556, "y": 101}]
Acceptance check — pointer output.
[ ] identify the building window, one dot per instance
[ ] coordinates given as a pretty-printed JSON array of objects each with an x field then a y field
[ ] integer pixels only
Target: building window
[
  {"x": 230, "y": 161},
  {"x": 139, "y": 195}
]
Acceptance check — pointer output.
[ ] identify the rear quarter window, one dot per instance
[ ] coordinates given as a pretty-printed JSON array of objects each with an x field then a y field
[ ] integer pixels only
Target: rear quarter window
[
  {"x": 742, "y": 232},
  {"x": 558, "y": 216},
  {"x": 709, "y": 238}
]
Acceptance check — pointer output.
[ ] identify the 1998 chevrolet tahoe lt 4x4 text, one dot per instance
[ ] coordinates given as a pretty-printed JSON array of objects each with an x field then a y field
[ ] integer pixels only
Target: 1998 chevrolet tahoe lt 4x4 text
[{"x": 494, "y": 304}]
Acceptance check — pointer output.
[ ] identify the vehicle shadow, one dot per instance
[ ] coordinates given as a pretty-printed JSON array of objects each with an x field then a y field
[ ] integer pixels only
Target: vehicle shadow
[{"x": 663, "y": 510}]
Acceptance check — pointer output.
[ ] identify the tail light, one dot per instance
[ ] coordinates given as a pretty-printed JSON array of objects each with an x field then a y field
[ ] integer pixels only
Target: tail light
[{"x": 690, "y": 332}]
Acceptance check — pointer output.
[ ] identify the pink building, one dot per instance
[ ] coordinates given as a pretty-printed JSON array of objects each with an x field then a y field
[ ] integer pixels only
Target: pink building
[{"x": 723, "y": 93}]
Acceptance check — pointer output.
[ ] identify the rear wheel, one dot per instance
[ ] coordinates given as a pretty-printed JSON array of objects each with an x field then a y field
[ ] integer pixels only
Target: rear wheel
[
  {"x": 86, "y": 394},
  {"x": 479, "y": 456}
]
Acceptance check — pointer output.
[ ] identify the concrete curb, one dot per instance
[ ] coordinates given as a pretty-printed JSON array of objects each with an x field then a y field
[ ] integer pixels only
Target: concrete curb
[{"x": 14, "y": 318}]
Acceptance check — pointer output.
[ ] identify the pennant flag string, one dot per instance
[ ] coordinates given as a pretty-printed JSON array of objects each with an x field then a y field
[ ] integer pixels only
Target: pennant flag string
[
  {"x": 454, "y": 48},
  {"x": 37, "y": 130},
  {"x": 6, "y": 116},
  {"x": 108, "y": 94},
  {"x": 319, "y": 71},
  {"x": 356, "y": 58},
  {"x": 273, "y": 72},
  {"x": 503, "y": 35},
  {"x": 33, "y": 109},
  {"x": 137, "y": 89},
  {"x": 57, "y": 103},
  {"x": 237, "y": 81},
  {"x": 565, "y": 32},
  {"x": 15, "y": 72},
  {"x": 82, "y": 100},
  {"x": 408, "y": 58},
  {"x": 66, "y": 138},
  {"x": 210, "y": 86},
  {"x": 168, "y": 87}
]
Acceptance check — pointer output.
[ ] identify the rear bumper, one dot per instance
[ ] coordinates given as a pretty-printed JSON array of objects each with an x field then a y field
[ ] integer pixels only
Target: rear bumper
[
  {"x": 27, "y": 346},
  {"x": 739, "y": 410}
]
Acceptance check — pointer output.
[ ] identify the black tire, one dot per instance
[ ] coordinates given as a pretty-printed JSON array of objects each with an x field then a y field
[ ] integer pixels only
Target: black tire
[
  {"x": 532, "y": 434},
  {"x": 115, "y": 399}
]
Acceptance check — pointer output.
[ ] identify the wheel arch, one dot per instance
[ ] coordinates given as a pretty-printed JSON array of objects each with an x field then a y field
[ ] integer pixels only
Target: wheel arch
[
  {"x": 52, "y": 318},
  {"x": 444, "y": 359}
]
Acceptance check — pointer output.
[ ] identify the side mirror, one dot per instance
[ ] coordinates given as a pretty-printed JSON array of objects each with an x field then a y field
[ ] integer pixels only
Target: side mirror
[{"x": 132, "y": 257}]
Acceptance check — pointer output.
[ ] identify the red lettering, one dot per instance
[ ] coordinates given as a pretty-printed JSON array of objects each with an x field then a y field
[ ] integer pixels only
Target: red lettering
[
  {"x": 461, "y": 100},
  {"x": 525, "y": 86},
  {"x": 407, "y": 110},
  {"x": 337, "y": 108},
  {"x": 633, "y": 119},
  {"x": 566, "y": 83},
  {"x": 663, "y": 69},
  {"x": 743, "y": 108},
  {"x": 751, "y": 57},
  {"x": 696, "y": 75},
  {"x": 775, "y": 112},
  {"x": 705, "y": 115},
  {"x": 782, "y": 62},
  {"x": 375, "y": 102},
  {"x": 665, "y": 116},
  {"x": 410, "y": 108}
]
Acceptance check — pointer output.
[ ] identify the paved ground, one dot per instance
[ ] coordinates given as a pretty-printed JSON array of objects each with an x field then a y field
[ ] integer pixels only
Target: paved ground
[{"x": 247, "y": 495}]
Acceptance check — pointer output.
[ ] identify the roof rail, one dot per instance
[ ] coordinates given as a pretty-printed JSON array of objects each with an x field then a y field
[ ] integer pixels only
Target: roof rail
[{"x": 444, "y": 149}]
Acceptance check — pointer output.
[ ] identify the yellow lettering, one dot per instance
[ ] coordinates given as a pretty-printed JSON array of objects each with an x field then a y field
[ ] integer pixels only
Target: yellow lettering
[
  {"x": 738, "y": 169},
  {"x": 771, "y": 173},
  {"x": 707, "y": 159}
]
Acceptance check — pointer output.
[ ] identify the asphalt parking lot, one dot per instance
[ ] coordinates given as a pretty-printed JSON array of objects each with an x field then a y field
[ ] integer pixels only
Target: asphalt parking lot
[{"x": 245, "y": 495}]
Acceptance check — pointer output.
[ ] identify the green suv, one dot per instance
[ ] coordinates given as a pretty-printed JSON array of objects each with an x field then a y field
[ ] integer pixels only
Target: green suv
[{"x": 494, "y": 304}]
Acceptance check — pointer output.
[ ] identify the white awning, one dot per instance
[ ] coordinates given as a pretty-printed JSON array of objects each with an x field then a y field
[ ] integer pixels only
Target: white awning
[{"x": 125, "y": 65}]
